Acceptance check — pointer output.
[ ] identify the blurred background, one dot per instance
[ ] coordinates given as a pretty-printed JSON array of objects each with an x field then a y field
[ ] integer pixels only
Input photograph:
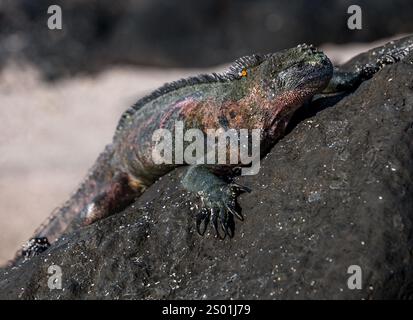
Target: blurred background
[{"x": 62, "y": 91}]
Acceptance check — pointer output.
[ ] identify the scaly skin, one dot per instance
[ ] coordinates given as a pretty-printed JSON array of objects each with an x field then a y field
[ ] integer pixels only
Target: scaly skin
[
  {"x": 257, "y": 92},
  {"x": 365, "y": 65}
]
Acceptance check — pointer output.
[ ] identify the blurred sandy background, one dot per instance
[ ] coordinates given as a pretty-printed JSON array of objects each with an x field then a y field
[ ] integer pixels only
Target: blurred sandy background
[
  {"x": 50, "y": 134},
  {"x": 62, "y": 92}
]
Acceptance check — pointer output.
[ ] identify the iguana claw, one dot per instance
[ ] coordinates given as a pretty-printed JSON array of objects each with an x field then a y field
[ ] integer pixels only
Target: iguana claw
[
  {"x": 240, "y": 188},
  {"x": 202, "y": 219}
]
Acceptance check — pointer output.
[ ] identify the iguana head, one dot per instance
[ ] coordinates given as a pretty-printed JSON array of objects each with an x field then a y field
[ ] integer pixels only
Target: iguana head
[
  {"x": 275, "y": 85},
  {"x": 303, "y": 69}
]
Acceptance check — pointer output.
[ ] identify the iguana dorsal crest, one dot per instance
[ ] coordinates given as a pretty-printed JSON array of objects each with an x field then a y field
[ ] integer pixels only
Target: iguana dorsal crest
[{"x": 233, "y": 72}]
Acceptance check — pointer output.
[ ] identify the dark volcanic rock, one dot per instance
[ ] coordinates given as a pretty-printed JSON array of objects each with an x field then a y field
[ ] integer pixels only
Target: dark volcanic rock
[
  {"x": 186, "y": 33},
  {"x": 336, "y": 191}
]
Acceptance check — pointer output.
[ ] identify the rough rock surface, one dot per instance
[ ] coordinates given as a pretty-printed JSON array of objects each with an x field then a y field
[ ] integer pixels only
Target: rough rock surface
[{"x": 336, "y": 191}]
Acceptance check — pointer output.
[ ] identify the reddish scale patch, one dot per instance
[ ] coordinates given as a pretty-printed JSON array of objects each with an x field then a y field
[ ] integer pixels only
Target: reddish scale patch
[
  {"x": 136, "y": 145},
  {"x": 283, "y": 108},
  {"x": 251, "y": 112},
  {"x": 208, "y": 114},
  {"x": 200, "y": 114},
  {"x": 172, "y": 109}
]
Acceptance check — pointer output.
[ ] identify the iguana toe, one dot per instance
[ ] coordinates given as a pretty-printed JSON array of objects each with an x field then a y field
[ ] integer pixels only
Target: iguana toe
[{"x": 202, "y": 220}]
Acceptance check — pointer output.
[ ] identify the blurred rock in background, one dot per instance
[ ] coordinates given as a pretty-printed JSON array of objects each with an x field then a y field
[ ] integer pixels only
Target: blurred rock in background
[{"x": 185, "y": 33}]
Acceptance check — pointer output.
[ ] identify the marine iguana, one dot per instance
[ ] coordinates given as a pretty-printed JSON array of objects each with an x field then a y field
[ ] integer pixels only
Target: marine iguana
[{"x": 257, "y": 91}]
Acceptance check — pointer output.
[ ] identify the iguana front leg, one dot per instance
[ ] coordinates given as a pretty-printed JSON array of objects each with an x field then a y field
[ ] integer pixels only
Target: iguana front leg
[
  {"x": 362, "y": 67},
  {"x": 350, "y": 80},
  {"x": 218, "y": 200},
  {"x": 343, "y": 81}
]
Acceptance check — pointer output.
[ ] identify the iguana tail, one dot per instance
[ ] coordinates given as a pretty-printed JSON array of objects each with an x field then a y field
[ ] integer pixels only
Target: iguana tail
[{"x": 104, "y": 191}]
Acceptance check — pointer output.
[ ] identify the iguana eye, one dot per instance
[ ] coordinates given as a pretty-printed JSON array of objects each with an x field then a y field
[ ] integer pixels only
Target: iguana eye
[{"x": 243, "y": 73}]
